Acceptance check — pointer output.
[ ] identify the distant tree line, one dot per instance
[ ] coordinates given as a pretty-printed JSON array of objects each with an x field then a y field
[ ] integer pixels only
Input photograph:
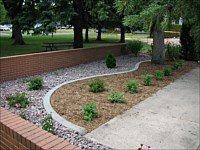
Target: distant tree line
[
  {"x": 152, "y": 15},
  {"x": 82, "y": 14}
]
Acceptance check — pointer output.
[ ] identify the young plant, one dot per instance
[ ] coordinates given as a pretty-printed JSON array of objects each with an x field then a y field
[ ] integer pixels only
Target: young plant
[
  {"x": 110, "y": 60},
  {"x": 116, "y": 97},
  {"x": 96, "y": 86},
  {"x": 89, "y": 111},
  {"x": 181, "y": 63},
  {"x": 132, "y": 86},
  {"x": 57, "y": 73},
  {"x": 159, "y": 75},
  {"x": 19, "y": 100},
  {"x": 134, "y": 47},
  {"x": 176, "y": 66},
  {"x": 173, "y": 51},
  {"x": 147, "y": 79},
  {"x": 47, "y": 124},
  {"x": 35, "y": 83},
  {"x": 167, "y": 72},
  {"x": 23, "y": 116}
]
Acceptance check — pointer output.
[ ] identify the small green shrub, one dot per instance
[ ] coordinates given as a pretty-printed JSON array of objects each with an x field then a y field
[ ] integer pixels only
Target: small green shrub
[
  {"x": 150, "y": 50},
  {"x": 47, "y": 124},
  {"x": 132, "y": 86},
  {"x": 96, "y": 86},
  {"x": 23, "y": 116},
  {"x": 159, "y": 75},
  {"x": 57, "y": 72},
  {"x": 89, "y": 111},
  {"x": 167, "y": 72},
  {"x": 178, "y": 65},
  {"x": 116, "y": 97},
  {"x": 19, "y": 100},
  {"x": 35, "y": 83},
  {"x": 173, "y": 52},
  {"x": 188, "y": 40},
  {"x": 135, "y": 47},
  {"x": 147, "y": 79},
  {"x": 181, "y": 63},
  {"x": 110, "y": 60}
]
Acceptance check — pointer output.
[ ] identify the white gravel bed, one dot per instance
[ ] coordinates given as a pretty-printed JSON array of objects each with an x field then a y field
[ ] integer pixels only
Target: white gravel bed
[{"x": 35, "y": 111}]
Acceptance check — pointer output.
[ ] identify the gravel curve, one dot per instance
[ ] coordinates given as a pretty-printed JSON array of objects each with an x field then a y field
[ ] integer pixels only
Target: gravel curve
[{"x": 35, "y": 111}]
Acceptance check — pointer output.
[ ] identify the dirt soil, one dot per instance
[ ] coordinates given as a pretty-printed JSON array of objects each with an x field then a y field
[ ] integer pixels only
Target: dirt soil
[{"x": 69, "y": 99}]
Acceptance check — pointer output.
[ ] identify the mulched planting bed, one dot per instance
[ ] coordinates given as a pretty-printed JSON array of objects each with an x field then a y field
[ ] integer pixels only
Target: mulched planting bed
[{"x": 69, "y": 99}]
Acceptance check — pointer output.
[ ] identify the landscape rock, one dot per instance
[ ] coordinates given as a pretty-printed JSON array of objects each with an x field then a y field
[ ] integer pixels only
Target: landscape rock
[{"x": 35, "y": 112}]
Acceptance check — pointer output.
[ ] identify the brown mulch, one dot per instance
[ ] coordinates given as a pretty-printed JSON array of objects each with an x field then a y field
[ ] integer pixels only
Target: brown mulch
[{"x": 69, "y": 99}]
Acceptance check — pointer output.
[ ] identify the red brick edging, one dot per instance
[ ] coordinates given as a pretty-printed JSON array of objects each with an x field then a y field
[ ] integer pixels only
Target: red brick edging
[
  {"x": 17, "y": 133},
  {"x": 20, "y": 66}
]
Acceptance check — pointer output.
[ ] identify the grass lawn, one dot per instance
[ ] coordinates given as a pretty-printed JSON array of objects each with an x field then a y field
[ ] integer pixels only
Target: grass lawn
[
  {"x": 34, "y": 43},
  {"x": 137, "y": 35}
]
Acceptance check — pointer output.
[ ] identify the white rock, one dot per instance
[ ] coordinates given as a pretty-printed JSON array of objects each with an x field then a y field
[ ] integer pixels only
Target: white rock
[{"x": 51, "y": 80}]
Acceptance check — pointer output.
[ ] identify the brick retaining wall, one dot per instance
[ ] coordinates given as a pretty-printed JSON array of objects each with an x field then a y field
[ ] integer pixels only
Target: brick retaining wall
[
  {"x": 19, "y": 134},
  {"x": 14, "y": 67}
]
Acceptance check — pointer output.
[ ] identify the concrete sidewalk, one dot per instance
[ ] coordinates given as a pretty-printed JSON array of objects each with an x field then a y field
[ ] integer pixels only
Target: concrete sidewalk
[{"x": 167, "y": 120}]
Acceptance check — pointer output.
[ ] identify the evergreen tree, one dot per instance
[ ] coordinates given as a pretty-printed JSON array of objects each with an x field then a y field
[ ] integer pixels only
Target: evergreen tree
[
  {"x": 4, "y": 19},
  {"x": 153, "y": 14},
  {"x": 187, "y": 43}
]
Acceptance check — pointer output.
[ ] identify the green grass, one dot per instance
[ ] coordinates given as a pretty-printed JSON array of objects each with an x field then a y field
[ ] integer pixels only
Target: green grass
[
  {"x": 90, "y": 45},
  {"x": 146, "y": 47},
  {"x": 6, "y": 32},
  {"x": 64, "y": 31},
  {"x": 34, "y": 43},
  {"x": 137, "y": 35},
  {"x": 57, "y": 31}
]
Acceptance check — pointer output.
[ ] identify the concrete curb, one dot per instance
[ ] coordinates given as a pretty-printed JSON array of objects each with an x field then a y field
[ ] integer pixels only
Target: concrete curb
[{"x": 61, "y": 120}]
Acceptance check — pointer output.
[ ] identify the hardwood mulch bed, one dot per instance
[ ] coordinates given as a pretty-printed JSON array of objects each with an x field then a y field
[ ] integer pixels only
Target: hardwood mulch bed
[{"x": 69, "y": 99}]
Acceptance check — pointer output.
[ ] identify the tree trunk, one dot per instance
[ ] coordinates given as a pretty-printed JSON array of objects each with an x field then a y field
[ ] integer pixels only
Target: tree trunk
[
  {"x": 99, "y": 33},
  {"x": 78, "y": 36},
  {"x": 122, "y": 38},
  {"x": 86, "y": 35},
  {"x": 77, "y": 22},
  {"x": 13, "y": 32},
  {"x": 158, "y": 55},
  {"x": 18, "y": 36}
]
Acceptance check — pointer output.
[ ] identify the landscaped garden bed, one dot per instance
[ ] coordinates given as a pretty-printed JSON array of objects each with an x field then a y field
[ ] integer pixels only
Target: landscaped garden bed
[
  {"x": 35, "y": 111},
  {"x": 69, "y": 100}
]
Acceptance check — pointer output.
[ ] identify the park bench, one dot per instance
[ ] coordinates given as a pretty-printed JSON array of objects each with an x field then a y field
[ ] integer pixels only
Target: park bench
[{"x": 55, "y": 45}]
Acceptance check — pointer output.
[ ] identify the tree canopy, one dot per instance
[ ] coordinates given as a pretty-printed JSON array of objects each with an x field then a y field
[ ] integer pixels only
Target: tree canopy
[
  {"x": 191, "y": 20},
  {"x": 153, "y": 15},
  {"x": 157, "y": 15},
  {"x": 3, "y": 16}
]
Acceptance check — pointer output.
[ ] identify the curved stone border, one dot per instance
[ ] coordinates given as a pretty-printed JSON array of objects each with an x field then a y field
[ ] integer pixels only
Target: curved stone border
[{"x": 61, "y": 120}]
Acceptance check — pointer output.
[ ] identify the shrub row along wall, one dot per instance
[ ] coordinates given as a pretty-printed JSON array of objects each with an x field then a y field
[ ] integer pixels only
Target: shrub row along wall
[
  {"x": 19, "y": 134},
  {"x": 14, "y": 67}
]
